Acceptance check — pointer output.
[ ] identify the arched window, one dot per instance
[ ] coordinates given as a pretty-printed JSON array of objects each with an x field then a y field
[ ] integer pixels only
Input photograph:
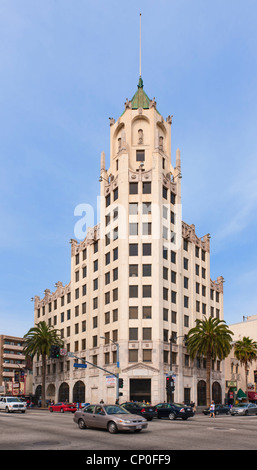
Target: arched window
[
  {"x": 79, "y": 392},
  {"x": 201, "y": 393},
  {"x": 216, "y": 392},
  {"x": 140, "y": 136},
  {"x": 64, "y": 392}
]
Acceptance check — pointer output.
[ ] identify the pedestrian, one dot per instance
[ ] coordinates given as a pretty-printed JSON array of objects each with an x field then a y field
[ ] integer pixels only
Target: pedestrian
[{"x": 212, "y": 410}]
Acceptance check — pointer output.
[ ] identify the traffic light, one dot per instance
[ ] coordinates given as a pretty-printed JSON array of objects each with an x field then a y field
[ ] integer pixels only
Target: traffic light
[
  {"x": 170, "y": 384},
  {"x": 54, "y": 352},
  {"x": 120, "y": 383}
]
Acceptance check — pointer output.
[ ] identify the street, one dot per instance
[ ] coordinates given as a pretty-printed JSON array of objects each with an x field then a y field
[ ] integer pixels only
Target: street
[{"x": 42, "y": 430}]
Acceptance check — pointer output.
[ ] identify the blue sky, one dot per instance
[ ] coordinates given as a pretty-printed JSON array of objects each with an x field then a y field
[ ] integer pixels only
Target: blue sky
[{"x": 66, "y": 66}]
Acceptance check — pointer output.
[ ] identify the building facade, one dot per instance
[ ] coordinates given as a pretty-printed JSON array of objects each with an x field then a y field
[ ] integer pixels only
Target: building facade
[
  {"x": 139, "y": 279},
  {"x": 15, "y": 373},
  {"x": 236, "y": 387}
]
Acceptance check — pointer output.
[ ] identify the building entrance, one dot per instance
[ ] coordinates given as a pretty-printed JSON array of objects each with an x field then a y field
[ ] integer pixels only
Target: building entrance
[{"x": 140, "y": 389}]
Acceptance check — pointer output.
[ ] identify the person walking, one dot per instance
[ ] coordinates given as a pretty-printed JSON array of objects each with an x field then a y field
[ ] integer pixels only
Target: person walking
[{"x": 212, "y": 410}]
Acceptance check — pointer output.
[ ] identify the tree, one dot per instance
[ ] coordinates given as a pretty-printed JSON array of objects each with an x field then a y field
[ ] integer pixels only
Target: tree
[
  {"x": 39, "y": 340},
  {"x": 212, "y": 339},
  {"x": 245, "y": 351}
]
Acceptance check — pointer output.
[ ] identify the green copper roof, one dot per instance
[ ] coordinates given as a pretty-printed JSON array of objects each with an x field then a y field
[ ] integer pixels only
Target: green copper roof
[{"x": 140, "y": 98}]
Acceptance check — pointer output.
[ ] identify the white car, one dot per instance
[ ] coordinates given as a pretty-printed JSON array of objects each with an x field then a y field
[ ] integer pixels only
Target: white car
[{"x": 10, "y": 404}]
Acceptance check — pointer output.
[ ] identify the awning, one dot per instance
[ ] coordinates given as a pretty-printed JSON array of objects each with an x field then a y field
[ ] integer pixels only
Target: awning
[
  {"x": 252, "y": 395},
  {"x": 241, "y": 394}
]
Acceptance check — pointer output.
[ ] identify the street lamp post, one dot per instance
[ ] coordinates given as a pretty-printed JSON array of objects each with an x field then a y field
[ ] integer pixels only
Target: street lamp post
[
  {"x": 173, "y": 340},
  {"x": 117, "y": 375}
]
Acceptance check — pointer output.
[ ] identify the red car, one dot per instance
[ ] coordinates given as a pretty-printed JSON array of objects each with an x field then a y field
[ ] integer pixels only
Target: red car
[{"x": 62, "y": 407}]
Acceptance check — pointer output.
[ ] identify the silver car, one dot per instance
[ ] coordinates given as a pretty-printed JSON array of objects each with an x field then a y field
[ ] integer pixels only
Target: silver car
[
  {"x": 114, "y": 418},
  {"x": 244, "y": 409},
  {"x": 11, "y": 404}
]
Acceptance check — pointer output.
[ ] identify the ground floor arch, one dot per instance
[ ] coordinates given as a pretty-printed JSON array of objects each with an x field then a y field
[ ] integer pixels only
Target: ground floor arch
[
  {"x": 79, "y": 392},
  {"x": 64, "y": 392},
  {"x": 50, "y": 392},
  {"x": 201, "y": 393},
  {"x": 216, "y": 392}
]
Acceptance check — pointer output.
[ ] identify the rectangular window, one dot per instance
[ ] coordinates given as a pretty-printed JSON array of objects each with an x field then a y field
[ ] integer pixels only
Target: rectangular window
[
  {"x": 133, "y": 334},
  {"x": 140, "y": 155},
  {"x": 147, "y": 355},
  {"x": 147, "y": 270},
  {"x": 146, "y": 187},
  {"x": 147, "y": 312},
  {"x": 147, "y": 291},
  {"x": 133, "y": 249},
  {"x": 133, "y": 291},
  {"x": 147, "y": 334},
  {"x": 133, "y": 270},
  {"x": 133, "y": 229},
  {"x": 115, "y": 194},
  {"x": 133, "y": 355},
  {"x": 133, "y": 313},
  {"x": 115, "y": 254},
  {"x": 133, "y": 188},
  {"x": 133, "y": 208},
  {"x": 147, "y": 249},
  {"x": 147, "y": 208},
  {"x": 147, "y": 228}
]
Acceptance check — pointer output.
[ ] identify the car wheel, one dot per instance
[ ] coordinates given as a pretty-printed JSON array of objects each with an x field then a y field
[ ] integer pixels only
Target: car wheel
[
  {"x": 62, "y": 410},
  {"x": 7, "y": 410},
  {"x": 51, "y": 410},
  {"x": 112, "y": 428},
  {"x": 172, "y": 416},
  {"x": 81, "y": 424}
]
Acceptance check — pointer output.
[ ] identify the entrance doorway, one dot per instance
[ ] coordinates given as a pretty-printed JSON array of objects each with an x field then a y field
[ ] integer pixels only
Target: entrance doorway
[{"x": 140, "y": 389}]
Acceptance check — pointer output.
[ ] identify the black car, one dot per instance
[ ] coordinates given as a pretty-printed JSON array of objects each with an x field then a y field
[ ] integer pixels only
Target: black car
[
  {"x": 219, "y": 409},
  {"x": 174, "y": 411},
  {"x": 147, "y": 411}
]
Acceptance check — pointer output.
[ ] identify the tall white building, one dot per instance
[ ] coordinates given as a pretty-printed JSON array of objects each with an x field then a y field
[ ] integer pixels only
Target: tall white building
[{"x": 140, "y": 278}]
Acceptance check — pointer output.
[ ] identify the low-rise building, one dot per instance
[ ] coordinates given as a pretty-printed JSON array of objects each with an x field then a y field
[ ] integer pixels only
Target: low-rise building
[
  {"x": 234, "y": 371},
  {"x": 15, "y": 373}
]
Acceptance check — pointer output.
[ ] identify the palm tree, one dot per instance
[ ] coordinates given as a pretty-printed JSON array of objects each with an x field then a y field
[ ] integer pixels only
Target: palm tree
[
  {"x": 39, "y": 340},
  {"x": 212, "y": 339},
  {"x": 245, "y": 351}
]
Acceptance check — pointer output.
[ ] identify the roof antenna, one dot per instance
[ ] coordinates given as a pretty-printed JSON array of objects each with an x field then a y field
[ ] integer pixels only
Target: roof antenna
[{"x": 140, "y": 48}]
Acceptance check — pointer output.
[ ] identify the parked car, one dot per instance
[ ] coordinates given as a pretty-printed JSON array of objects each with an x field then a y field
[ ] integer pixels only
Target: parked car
[
  {"x": 11, "y": 404},
  {"x": 63, "y": 407},
  {"x": 244, "y": 409},
  {"x": 219, "y": 410},
  {"x": 147, "y": 411},
  {"x": 114, "y": 418},
  {"x": 174, "y": 411}
]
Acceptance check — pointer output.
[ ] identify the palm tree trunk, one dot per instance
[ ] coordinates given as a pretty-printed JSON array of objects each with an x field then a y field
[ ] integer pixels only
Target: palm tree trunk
[
  {"x": 208, "y": 380},
  {"x": 246, "y": 383},
  {"x": 43, "y": 381}
]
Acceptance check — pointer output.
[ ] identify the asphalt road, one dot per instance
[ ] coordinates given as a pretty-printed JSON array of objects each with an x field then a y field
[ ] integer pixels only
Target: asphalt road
[{"x": 42, "y": 430}]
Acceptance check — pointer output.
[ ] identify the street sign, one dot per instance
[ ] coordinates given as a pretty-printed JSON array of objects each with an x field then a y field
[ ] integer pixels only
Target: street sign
[
  {"x": 63, "y": 352},
  {"x": 81, "y": 366}
]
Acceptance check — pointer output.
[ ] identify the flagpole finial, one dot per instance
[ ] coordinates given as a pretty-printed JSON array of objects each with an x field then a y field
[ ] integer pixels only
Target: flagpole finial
[{"x": 140, "y": 47}]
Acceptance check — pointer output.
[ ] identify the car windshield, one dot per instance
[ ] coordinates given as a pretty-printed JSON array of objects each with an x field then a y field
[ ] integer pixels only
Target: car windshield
[
  {"x": 114, "y": 410},
  {"x": 243, "y": 405},
  {"x": 13, "y": 400},
  {"x": 179, "y": 404}
]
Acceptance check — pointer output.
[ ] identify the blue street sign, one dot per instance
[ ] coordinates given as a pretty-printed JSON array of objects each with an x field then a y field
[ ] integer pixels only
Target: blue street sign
[{"x": 83, "y": 366}]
